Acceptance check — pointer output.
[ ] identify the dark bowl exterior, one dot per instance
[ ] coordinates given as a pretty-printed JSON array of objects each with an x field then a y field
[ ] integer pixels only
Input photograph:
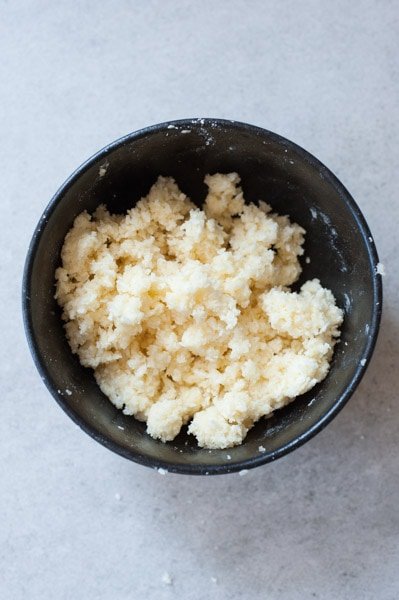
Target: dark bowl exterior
[{"x": 338, "y": 242}]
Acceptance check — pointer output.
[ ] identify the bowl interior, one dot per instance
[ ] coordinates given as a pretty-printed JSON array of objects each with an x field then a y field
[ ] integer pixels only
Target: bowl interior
[{"x": 271, "y": 168}]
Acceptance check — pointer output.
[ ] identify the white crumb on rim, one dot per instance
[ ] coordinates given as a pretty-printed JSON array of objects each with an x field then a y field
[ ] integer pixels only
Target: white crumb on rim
[
  {"x": 68, "y": 392},
  {"x": 262, "y": 449},
  {"x": 120, "y": 427},
  {"x": 117, "y": 496},
  {"x": 380, "y": 269},
  {"x": 103, "y": 169},
  {"x": 162, "y": 471},
  {"x": 228, "y": 456},
  {"x": 307, "y": 260},
  {"x": 172, "y": 127},
  {"x": 185, "y": 131},
  {"x": 371, "y": 239},
  {"x": 243, "y": 472},
  {"x": 167, "y": 578},
  {"x": 363, "y": 362},
  {"x": 214, "y": 579}
]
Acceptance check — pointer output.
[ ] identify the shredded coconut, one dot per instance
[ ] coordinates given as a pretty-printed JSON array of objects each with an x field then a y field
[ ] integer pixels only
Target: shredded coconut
[{"x": 186, "y": 315}]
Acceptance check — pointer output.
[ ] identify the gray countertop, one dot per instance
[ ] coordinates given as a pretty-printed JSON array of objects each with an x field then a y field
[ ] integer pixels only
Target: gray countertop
[{"x": 80, "y": 522}]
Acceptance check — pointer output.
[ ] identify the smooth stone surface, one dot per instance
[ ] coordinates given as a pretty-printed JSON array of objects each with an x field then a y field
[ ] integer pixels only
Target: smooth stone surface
[{"x": 77, "y": 520}]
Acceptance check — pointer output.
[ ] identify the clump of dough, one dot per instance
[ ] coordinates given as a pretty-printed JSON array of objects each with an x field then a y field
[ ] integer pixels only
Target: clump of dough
[{"x": 186, "y": 316}]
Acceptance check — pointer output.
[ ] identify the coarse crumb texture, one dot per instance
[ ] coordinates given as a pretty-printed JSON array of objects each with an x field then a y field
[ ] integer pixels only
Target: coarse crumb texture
[{"x": 185, "y": 315}]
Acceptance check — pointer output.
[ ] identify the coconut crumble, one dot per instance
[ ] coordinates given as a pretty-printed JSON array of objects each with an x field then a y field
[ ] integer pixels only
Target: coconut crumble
[{"x": 186, "y": 316}]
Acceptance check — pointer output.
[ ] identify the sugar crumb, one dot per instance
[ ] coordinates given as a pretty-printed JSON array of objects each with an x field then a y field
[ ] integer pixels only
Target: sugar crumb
[
  {"x": 162, "y": 471},
  {"x": 243, "y": 472},
  {"x": 363, "y": 362},
  {"x": 67, "y": 391},
  {"x": 120, "y": 427},
  {"x": 307, "y": 260},
  {"x": 262, "y": 449},
  {"x": 228, "y": 456}
]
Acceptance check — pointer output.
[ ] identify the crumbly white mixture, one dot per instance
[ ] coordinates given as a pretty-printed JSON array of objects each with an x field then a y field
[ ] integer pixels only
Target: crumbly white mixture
[
  {"x": 380, "y": 269},
  {"x": 185, "y": 315}
]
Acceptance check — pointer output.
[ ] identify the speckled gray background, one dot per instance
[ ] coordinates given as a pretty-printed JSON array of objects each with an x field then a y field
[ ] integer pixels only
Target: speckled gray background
[{"x": 322, "y": 522}]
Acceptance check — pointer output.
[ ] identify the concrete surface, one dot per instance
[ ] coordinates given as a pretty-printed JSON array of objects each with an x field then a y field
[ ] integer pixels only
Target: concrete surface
[{"x": 80, "y": 522}]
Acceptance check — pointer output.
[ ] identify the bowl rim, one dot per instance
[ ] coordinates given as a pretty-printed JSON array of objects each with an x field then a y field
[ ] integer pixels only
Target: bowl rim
[{"x": 261, "y": 458}]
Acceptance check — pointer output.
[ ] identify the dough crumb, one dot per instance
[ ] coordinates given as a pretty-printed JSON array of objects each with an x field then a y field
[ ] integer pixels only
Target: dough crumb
[
  {"x": 103, "y": 169},
  {"x": 167, "y": 579},
  {"x": 186, "y": 314},
  {"x": 380, "y": 269}
]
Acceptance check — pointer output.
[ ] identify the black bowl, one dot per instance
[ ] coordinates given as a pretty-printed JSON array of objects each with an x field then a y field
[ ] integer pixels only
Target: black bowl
[{"x": 338, "y": 242}]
